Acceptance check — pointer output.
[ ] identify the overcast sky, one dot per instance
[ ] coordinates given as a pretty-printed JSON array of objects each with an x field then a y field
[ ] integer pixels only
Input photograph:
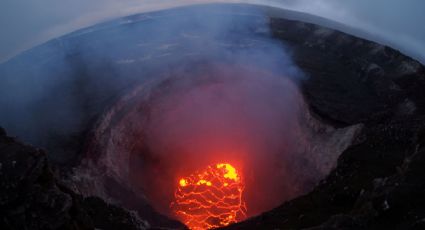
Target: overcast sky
[{"x": 26, "y": 23}]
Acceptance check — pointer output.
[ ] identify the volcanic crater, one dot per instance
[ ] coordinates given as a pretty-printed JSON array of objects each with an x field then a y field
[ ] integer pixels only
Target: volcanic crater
[
  {"x": 269, "y": 122},
  {"x": 162, "y": 131}
]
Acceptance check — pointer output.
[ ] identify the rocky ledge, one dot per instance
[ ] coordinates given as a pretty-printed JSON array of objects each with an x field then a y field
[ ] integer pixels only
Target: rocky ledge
[
  {"x": 31, "y": 196},
  {"x": 379, "y": 183}
]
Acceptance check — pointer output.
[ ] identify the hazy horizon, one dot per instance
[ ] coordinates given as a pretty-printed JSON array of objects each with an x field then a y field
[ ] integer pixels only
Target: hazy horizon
[{"x": 30, "y": 23}]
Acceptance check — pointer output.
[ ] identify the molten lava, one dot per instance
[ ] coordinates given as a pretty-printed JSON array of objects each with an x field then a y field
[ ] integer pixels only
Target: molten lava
[{"x": 211, "y": 198}]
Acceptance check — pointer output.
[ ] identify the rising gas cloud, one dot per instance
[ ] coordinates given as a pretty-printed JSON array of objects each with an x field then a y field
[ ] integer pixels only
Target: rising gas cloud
[{"x": 167, "y": 95}]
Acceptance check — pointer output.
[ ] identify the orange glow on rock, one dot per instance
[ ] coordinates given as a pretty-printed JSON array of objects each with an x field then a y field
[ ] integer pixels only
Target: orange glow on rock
[{"x": 211, "y": 198}]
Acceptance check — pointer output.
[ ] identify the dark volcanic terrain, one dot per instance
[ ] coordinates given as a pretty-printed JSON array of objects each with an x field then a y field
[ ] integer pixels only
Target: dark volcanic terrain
[{"x": 378, "y": 183}]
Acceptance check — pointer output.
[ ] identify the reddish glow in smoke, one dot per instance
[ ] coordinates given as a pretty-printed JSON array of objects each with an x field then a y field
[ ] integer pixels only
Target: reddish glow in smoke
[
  {"x": 233, "y": 114},
  {"x": 210, "y": 198}
]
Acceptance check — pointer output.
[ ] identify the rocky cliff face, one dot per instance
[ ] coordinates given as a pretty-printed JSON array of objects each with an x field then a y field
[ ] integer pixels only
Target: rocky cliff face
[
  {"x": 378, "y": 183},
  {"x": 32, "y": 197}
]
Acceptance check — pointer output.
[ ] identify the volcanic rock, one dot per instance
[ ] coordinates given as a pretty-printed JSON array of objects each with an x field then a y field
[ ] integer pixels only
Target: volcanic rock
[
  {"x": 32, "y": 197},
  {"x": 377, "y": 184}
]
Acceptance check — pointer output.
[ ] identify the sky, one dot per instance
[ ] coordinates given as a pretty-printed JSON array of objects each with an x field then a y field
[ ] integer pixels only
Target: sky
[{"x": 26, "y": 23}]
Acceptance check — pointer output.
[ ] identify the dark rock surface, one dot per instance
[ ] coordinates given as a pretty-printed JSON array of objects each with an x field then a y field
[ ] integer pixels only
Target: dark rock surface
[
  {"x": 379, "y": 182},
  {"x": 352, "y": 80},
  {"x": 31, "y": 196}
]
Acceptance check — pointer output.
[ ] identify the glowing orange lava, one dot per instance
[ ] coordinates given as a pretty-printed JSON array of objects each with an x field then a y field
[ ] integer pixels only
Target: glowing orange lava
[{"x": 211, "y": 198}]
